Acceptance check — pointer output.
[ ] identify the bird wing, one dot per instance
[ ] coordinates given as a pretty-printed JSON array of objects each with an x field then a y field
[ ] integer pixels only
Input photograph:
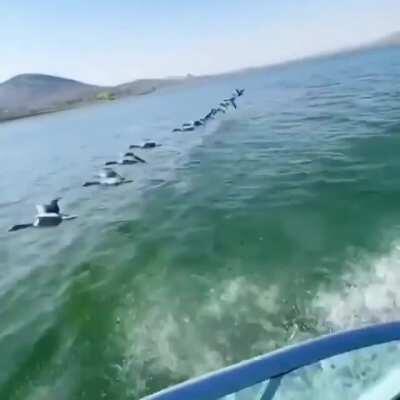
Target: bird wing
[
  {"x": 139, "y": 159},
  {"x": 19, "y": 227},
  {"x": 66, "y": 217}
]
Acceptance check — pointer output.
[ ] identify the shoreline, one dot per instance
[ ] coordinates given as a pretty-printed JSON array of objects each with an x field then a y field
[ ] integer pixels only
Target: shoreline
[
  {"x": 76, "y": 105},
  {"x": 172, "y": 82}
]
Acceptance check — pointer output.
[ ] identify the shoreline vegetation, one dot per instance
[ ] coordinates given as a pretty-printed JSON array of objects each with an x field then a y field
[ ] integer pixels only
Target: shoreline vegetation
[{"x": 30, "y": 95}]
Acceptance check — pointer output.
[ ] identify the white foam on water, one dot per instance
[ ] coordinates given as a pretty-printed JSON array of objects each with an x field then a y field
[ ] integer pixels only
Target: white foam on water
[
  {"x": 367, "y": 293},
  {"x": 166, "y": 340},
  {"x": 175, "y": 335}
]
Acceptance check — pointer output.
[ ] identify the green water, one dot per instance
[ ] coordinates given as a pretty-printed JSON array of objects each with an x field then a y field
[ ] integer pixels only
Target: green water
[{"x": 276, "y": 223}]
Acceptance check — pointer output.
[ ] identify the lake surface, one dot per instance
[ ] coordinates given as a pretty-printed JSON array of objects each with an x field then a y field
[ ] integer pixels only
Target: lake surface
[{"x": 277, "y": 222}]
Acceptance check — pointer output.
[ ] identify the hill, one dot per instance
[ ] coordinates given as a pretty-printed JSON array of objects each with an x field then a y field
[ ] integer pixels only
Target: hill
[
  {"x": 32, "y": 94},
  {"x": 391, "y": 40}
]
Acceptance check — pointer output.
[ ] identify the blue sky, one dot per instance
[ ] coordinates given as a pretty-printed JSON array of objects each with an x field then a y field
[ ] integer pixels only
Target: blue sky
[{"x": 112, "y": 41}]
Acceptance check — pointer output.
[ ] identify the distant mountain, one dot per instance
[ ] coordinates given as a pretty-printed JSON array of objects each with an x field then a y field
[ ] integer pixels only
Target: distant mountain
[
  {"x": 31, "y": 94},
  {"x": 390, "y": 40}
]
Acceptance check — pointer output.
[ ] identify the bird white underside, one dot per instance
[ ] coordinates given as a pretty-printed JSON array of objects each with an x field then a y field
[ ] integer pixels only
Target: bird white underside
[
  {"x": 188, "y": 124},
  {"x": 103, "y": 175},
  {"x": 43, "y": 217},
  {"x": 111, "y": 181}
]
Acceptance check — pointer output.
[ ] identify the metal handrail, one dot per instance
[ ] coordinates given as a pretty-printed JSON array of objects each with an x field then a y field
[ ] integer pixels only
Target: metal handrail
[{"x": 259, "y": 369}]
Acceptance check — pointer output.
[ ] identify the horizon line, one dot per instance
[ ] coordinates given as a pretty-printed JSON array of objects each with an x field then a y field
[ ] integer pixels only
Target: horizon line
[{"x": 377, "y": 43}]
